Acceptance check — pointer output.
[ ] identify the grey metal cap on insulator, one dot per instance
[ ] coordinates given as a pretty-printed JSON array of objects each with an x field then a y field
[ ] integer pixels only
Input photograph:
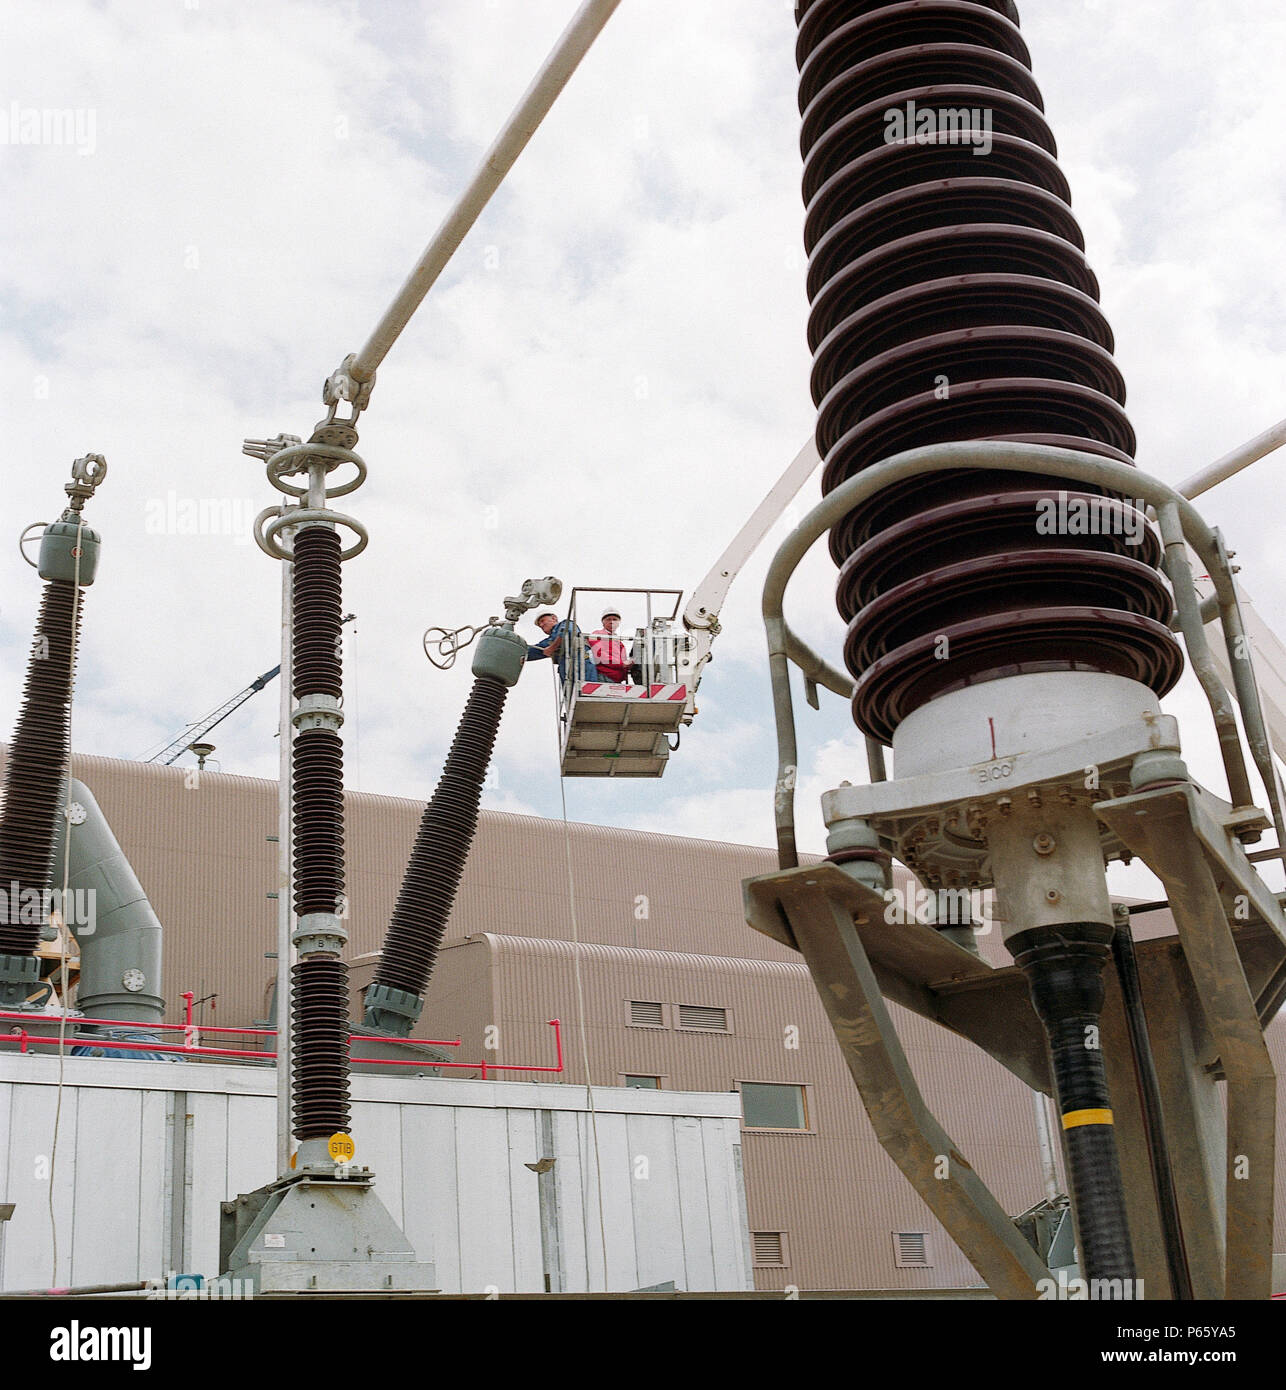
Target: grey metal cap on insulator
[
  {"x": 395, "y": 1009},
  {"x": 501, "y": 655},
  {"x": 58, "y": 552},
  {"x": 19, "y": 978}
]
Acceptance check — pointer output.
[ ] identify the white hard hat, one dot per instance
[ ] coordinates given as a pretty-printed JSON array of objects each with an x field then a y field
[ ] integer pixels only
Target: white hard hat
[{"x": 609, "y": 613}]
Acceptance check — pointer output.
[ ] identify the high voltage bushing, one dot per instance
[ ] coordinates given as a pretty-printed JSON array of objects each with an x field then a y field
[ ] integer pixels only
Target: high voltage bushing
[
  {"x": 447, "y": 828},
  {"x": 319, "y": 979},
  {"x": 37, "y": 754},
  {"x": 951, "y": 301},
  {"x": 34, "y": 768}
]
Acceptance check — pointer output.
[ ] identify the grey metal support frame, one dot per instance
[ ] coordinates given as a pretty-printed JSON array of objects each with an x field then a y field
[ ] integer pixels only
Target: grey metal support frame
[
  {"x": 1160, "y": 826},
  {"x": 1206, "y": 993},
  {"x": 817, "y": 908},
  {"x": 858, "y": 959}
]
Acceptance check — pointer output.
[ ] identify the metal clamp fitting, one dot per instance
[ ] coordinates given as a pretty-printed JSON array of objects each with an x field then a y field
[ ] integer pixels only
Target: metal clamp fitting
[
  {"x": 342, "y": 385},
  {"x": 86, "y": 474},
  {"x": 383, "y": 1000},
  {"x": 317, "y": 712},
  {"x": 319, "y": 931}
]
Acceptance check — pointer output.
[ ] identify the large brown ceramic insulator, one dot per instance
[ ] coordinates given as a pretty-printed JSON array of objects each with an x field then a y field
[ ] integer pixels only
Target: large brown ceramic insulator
[
  {"x": 951, "y": 301},
  {"x": 318, "y": 809},
  {"x": 35, "y": 765},
  {"x": 442, "y": 846},
  {"x": 318, "y": 754},
  {"x": 319, "y": 980},
  {"x": 318, "y": 598},
  {"x": 319, "y": 994}
]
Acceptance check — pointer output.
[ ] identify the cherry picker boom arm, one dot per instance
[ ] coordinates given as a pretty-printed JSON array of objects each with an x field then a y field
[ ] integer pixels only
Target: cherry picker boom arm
[{"x": 701, "y": 616}]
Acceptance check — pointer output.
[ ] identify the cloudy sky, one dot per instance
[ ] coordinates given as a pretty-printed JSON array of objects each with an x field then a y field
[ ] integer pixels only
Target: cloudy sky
[{"x": 604, "y": 383}]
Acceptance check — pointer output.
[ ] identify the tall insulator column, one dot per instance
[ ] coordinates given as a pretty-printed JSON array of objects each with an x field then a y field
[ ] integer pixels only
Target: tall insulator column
[
  {"x": 951, "y": 301},
  {"x": 37, "y": 757},
  {"x": 319, "y": 1032},
  {"x": 396, "y": 997},
  {"x": 319, "y": 981}
]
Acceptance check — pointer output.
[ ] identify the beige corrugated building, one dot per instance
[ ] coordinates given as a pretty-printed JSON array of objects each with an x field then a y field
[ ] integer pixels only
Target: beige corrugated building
[{"x": 677, "y": 991}]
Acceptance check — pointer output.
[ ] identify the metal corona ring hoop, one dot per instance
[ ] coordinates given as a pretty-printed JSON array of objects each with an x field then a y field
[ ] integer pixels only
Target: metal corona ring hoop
[
  {"x": 300, "y": 454},
  {"x": 22, "y": 541},
  {"x": 266, "y": 536}
]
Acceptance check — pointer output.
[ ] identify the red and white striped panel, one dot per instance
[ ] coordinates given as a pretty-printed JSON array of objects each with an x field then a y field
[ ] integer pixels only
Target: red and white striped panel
[{"x": 603, "y": 690}]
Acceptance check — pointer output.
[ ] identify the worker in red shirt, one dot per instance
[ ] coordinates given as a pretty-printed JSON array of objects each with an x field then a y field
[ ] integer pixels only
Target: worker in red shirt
[{"x": 609, "y": 651}]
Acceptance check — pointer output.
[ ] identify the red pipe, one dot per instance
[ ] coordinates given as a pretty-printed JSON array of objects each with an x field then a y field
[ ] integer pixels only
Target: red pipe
[
  {"x": 213, "y": 1028},
  {"x": 148, "y": 1024},
  {"x": 415, "y": 1042},
  {"x": 148, "y": 1047},
  {"x": 201, "y": 1051},
  {"x": 558, "y": 1041}
]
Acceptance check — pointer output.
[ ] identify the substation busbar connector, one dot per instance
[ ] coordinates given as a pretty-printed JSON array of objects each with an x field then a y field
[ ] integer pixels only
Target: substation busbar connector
[{"x": 38, "y": 752}]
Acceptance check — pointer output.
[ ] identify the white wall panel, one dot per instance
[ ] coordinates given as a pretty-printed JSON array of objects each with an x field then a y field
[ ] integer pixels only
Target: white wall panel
[{"x": 450, "y": 1161}]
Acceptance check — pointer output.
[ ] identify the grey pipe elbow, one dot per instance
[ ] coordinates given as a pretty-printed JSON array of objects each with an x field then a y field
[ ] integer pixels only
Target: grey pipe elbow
[{"x": 109, "y": 914}]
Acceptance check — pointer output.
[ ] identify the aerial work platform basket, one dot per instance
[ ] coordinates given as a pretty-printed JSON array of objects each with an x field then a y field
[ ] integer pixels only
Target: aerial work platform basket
[{"x": 621, "y": 727}]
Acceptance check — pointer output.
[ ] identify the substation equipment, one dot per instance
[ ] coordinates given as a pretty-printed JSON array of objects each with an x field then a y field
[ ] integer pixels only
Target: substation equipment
[{"x": 1013, "y": 662}]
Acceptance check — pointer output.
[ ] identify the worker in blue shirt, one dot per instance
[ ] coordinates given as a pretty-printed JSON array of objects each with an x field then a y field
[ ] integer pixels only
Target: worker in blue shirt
[{"x": 555, "y": 645}]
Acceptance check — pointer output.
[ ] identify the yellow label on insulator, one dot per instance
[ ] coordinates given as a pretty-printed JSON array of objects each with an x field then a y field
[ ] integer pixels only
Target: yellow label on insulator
[
  {"x": 341, "y": 1147},
  {"x": 1075, "y": 1118}
]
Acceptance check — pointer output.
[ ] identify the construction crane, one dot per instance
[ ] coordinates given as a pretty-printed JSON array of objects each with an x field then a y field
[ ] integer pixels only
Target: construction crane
[{"x": 196, "y": 731}]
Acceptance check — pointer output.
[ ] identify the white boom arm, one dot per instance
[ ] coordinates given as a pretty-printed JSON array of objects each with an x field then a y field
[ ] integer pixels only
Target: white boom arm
[{"x": 701, "y": 616}]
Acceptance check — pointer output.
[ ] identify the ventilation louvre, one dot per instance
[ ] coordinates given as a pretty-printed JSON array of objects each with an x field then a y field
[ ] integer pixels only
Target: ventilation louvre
[
  {"x": 646, "y": 1014},
  {"x": 704, "y": 1018},
  {"x": 911, "y": 1250},
  {"x": 769, "y": 1248}
]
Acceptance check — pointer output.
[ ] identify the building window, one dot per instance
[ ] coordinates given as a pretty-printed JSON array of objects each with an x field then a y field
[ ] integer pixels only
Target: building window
[
  {"x": 770, "y": 1106},
  {"x": 644, "y": 1013},
  {"x": 769, "y": 1249},
  {"x": 911, "y": 1250},
  {"x": 703, "y": 1019},
  {"x": 644, "y": 1083}
]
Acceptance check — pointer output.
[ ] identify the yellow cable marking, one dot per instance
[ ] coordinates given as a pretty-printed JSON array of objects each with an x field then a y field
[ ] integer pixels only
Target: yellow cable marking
[{"x": 1075, "y": 1118}]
